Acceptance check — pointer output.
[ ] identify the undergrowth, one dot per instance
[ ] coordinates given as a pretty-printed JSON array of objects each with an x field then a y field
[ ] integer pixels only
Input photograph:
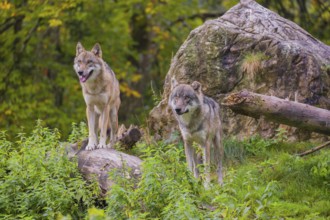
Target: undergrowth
[
  {"x": 263, "y": 179},
  {"x": 38, "y": 181}
]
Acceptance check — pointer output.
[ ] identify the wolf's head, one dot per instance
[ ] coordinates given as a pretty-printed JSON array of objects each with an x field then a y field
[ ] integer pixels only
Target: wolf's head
[
  {"x": 88, "y": 64},
  {"x": 185, "y": 98}
]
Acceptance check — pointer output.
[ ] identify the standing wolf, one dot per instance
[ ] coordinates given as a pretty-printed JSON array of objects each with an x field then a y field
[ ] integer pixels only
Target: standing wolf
[
  {"x": 100, "y": 89},
  {"x": 199, "y": 121}
]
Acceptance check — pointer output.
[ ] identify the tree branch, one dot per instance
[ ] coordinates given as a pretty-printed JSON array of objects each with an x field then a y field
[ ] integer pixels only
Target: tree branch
[
  {"x": 326, "y": 144},
  {"x": 28, "y": 37}
]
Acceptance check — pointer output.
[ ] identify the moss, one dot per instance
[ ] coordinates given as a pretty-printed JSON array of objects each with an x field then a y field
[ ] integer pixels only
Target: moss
[{"x": 251, "y": 65}]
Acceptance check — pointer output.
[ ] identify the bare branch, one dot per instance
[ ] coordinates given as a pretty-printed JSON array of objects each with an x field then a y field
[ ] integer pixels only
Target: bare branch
[{"x": 326, "y": 144}]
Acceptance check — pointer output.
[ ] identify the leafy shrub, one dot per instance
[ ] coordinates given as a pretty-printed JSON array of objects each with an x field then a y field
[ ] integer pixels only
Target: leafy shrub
[
  {"x": 38, "y": 181},
  {"x": 284, "y": 186},
  {"x": 257, "y": 146},
  {"x": 78, "y": 133},
  {"x": 276, "y": 186},
  {"x": 234, "y": 151},
  {"x": 167, "y": 190},
  {"x": 322, "y": 169}
]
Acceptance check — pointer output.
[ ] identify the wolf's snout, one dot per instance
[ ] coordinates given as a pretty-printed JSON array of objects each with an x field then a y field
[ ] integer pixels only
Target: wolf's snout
[
  {"x": 178, "y": 111},
  {"x": 80, "y": 73}
]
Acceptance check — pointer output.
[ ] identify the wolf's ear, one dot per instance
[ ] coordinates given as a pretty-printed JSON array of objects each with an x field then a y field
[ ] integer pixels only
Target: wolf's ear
[
  {"x": 97, "y": 50},
  {"x": 174, "y": 83},
  {"x": 79, "y": 49},
  {"x": 196, "y": 86}
]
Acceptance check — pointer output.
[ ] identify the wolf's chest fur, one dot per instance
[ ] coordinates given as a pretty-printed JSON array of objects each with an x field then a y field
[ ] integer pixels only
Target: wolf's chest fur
[
  {"x": 192, "y": 126},
  {"x": 99, "y": 101}
]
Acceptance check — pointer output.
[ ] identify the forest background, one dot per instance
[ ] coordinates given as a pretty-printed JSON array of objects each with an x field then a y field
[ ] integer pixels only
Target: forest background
[{"x": 138, "y": 39}]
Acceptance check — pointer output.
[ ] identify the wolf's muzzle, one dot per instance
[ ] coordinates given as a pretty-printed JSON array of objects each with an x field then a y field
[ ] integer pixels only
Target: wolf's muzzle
[{"x": 180, "y": 112}]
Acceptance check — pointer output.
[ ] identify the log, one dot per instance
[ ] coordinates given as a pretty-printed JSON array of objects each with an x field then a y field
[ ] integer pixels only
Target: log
[
  {"x": 327, "y": 144},
  {"x": 279, "y": 110}
]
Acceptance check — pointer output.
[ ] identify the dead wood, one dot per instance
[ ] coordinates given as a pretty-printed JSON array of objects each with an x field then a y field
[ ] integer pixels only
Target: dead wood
[
  {"x": 279, "y": 110},
  {"x": 128, "y": 137},
  {"x": 326, "y": 144}
]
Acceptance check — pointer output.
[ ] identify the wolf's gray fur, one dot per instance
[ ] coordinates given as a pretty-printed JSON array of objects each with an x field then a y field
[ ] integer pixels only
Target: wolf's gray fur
[{"x": 199, "y": 121}]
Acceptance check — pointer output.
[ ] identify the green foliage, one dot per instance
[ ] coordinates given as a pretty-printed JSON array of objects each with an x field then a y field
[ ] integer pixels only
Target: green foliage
[
  {"x": 38, "y": 40},
  {"x": 322, "y": 169},
  {"x": 38, "y": 181},
  {"x": 313, "y": 16},
  {"x": 138, "y": 39},
  {"x": 78, "y": 133},
  {"x": 261, "y": 181},
  {"x": 282, "y": 187},
  {"x": 167, "y": 190},
  {"x": 276, "y": 186},
  {"x": 234, "y": 151}
]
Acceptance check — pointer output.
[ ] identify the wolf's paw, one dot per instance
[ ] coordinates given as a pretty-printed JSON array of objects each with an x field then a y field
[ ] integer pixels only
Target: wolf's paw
[
  {"x": 90, "y": 146},
  {"x": 101, "y": 146}
]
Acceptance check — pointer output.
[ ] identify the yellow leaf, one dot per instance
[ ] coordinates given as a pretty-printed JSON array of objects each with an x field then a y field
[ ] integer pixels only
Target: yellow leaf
[
  {"x": 95, "y": 213},
  {"x": 5, "y": 5},
  {"x": 124, "y": 88},
  {"x": 136, "y": 77},
  {"x": 8, "y": 112},
  {"x": 149, "y": 9},
  {"x": 136, "y": 94},
  {"x": 156, "y": 29},
  {"x": 55, "y": 22}
]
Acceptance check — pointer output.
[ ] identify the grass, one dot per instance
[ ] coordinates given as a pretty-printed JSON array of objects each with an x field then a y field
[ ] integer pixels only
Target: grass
[
  {"x": 263, "y": 179},
  {"x": 251, "y": 64}
]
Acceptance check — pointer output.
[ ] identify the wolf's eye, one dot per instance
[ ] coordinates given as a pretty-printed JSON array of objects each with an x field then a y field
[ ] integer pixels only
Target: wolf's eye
[
  {"x": 187, "y": 98},
  {"x": 89, "y": 61},
  {"x": 79, "y": 61}
]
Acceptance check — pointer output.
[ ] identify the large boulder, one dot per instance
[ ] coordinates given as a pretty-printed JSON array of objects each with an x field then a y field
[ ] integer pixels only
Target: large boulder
[
  {"x": 100, "y": 162},
  {"x": 253, "y": 48}
]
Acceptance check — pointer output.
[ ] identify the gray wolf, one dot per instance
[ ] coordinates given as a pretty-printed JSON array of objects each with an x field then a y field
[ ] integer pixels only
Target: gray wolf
[
  {"x": 100, "y": 89},
  {"x": 199, "y": 122}
]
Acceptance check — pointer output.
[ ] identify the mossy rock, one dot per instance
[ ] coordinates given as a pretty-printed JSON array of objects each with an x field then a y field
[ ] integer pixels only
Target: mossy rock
[{"x": 288, "y": 63}]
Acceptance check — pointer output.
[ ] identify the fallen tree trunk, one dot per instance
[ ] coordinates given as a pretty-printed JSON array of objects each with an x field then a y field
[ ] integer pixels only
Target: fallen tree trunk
[{"x": 279, "y": 110}]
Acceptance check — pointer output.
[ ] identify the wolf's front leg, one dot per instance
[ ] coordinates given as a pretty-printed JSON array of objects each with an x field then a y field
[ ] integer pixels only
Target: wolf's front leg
[
  {"x": 113, "y": 126},
  {"x": 191, "y": 158},
  {"x": 92, "y": 135},
  {"x": 207, "y": 163},
  {"x": 104, "y": 120},
  {"x": 219, "y": 154}
]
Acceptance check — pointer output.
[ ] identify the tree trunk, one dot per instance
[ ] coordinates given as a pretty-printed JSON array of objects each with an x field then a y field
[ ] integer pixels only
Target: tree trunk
[{"x": 279, "y": 110}]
